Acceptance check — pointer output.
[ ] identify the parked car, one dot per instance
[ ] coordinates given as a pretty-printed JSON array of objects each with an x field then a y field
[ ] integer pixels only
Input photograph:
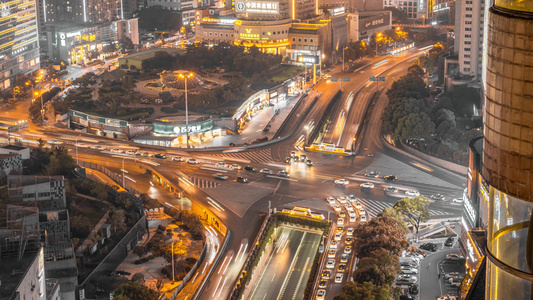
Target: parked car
[
  {"x": 452, "y": 274},
  {"x": 411, "y": 278},
  {"x": 455, "y": 281},
  {"x": 409, "y": 270},
  {"x": 429, "y": 247},
  {"x": 449, "y": 241}
]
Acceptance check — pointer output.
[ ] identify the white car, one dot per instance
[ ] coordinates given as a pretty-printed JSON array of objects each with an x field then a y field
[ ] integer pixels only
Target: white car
[
  {"x": 131, "y": 152},
  {"x": 333, "y": 244},
  {"x": 193, "y": 161},
  {"x": 338, "y": 236},
  {"x": 284, "y": 173},
  {"x": 97, "y": 147},
  {"x": 178, "y": 159},
  {"x": 342, "y": 182},
  {"x": 348, "y": 249},
  {"x": 358, "y": 205},
  {"x": 407, "y": 277},
  {"x": 412, "y": 193},
  {"x": 344, "y": 258},
  {"x": 457, "y": 200},
  {"x": 330, "y": 264},
  {"x": 341, "y": 199},
  {"x": 350, "y": 231},
  {"x": 321, "y": 294},
  {"x": 367, "y": 185},
  {"x": 363, "y": 218},
  {"x": 453, "y": 256},
  {"x": 221, "y": 165},
  {"x": 342, "y": 214},
  {"x": 409, "y": 270},
  {"x": 116, "y": 150},
  {"x": 332, "y": 253},
  {"x": 330, "y": 200},
  {"x": 340, "y": 221},
  {"x": 236, "y": 167},
  {"x": 362, "y": 211},
  {"x": 338, "y": 278},
  {"x": 374, "y": 174},
  {"x": 337, "y": 207},
  {"x": 349, "y": 207},
  {"x": 266, "y": 171},
  {"x": 353, "y": 218},
  {"x": 455, "y": 281}
]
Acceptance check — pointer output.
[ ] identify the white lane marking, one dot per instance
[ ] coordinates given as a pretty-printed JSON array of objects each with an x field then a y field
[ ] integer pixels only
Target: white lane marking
[
  {"x": 213, "y": 169},
  {"x": 278, "y": 177}
]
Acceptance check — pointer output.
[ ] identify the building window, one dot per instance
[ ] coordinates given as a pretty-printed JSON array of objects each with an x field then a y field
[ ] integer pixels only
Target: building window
[
  {"x": 466, "y": 70},
  {"x": 467, "y": 49},
  {"x": 299, "y": 40},
  {"x": 294, "y": 39},
  {"x": 467, "y": 36},
  {"x": 468, "y": 2},
  {"x": 469, "y": 9},
  {"x": 467, "y": 62},
  {"x": 467, "y": 55},
  {"x": 468, "y": 16},
  {"x": 311, "y": 40},
  {"x": 468, "y": 29},
  {"x": 305, "y": 40},
  {"x": 468, "y": 42}
]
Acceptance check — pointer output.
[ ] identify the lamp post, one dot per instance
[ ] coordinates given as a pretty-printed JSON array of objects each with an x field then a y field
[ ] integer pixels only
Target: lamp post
[
  {"x": 123, "y": 174},
  {"x": 77, "y": 157},
  {"x": 184, "y": 77},
  {"x": 378, "y": 36},
  {"x": 343, "y": 58}
]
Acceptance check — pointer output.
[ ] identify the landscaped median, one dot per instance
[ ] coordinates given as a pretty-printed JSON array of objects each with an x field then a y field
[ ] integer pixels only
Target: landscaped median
[
  {"x": 327, "y": 148},
  {"x": 290, "y": 241}
]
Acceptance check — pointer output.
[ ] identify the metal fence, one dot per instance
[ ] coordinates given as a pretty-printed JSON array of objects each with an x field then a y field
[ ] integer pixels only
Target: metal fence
[{"x": 190, "y": 274}]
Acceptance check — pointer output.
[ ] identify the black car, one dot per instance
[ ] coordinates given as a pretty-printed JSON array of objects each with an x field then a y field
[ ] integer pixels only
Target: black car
[
  {"x": 406, "y": 297},
  {"x": 429, "y": 247},
  {"x": 288, "y": 160},
  {"x": 413, "y": 289},
  {"x": 437, "y": 197},
  {"x": 242, "y": 179},
  {"x": 449, "y": 241},
  {"x": 160, "y": 155},
  {"x": 390, "y": 178},
  {"x": 250, "y": 168}
]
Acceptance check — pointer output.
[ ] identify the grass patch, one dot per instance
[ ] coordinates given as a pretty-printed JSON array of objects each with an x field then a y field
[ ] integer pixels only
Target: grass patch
[{"x": 283, "y": 73}]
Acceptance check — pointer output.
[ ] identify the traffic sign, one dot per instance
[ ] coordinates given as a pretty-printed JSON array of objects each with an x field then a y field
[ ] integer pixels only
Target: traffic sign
[
  {"x": 346, "y": 79},
  {"x": 381, "y": 78},
  {"x": 372, "y": 78},
  {"x": 333, "y": 79}
]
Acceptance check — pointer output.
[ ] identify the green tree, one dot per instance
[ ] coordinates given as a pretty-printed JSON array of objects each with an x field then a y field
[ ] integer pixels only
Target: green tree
[
  {"x": 380, "y": 233},
  {"x": 117, "y": 219},
  {"x": 396, "y": 215},
  {"x": 165, "y": 249},
  {"x": 415, "y": 71},
  {"x": 417, "y": 205},
  {"x": 408, "y": 87},
  {"x": 380, "y": 268},
  {"x": 414, "y": 126},
  {"x": 399, "y": 109},
  {"x": 134, "y": 291},
  {"x": 364, "y": 291}
]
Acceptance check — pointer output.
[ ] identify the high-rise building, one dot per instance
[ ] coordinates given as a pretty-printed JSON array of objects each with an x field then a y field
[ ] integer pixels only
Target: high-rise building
[
  {"x": 469, "y": 33},
  {"x": 508, "y": 150},
  {"x": 19, "y": 44},
  {"x": 84, "y": 11}
]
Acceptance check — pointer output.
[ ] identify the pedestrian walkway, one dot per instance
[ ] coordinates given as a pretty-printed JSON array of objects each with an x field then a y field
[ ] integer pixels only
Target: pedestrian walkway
[
  {"x": 373, "y": 208},
  {"x": 259, "y": 156},
  {"x": 203, "y": 183}
]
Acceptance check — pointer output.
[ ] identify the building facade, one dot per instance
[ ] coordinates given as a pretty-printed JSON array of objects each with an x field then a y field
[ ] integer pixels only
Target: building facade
[
  {"x": 19, "y": 43},
  {"x": 508, "y": 150},
  {"x": 84, "y": 11},
  {"x": 29, "y": 188},
  {"x": 8, "y": 163},
  {"x": 470, "y": 30}
]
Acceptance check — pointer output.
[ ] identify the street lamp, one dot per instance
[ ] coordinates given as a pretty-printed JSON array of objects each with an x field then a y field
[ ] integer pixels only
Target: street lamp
[
  {"x": 123, "y": 175},
  {"x": 185, "y": 76},
  {"x": 343, "y": 58},
  {"x": 378, "y": 38},
  {"x": 77, "y": 157}
]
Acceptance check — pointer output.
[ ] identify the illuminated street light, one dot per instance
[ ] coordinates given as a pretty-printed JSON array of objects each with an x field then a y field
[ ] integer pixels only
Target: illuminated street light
[{"x": 185, "y": 76}]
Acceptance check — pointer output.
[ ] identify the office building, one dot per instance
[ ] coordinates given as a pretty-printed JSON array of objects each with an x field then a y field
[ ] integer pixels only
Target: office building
[
  {"x": 508, "y": 149},
  {"x": 19, "y": 44},
  {"x": 83, "y": 11},
  {"x": 469, "y": 33}
]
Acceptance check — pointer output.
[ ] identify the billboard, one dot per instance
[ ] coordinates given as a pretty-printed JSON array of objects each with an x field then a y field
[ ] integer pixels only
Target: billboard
[
  {"x": 259, "y": 7},
  {"x": 309, "y": 59},
  {"x": 173, "y": 129}
]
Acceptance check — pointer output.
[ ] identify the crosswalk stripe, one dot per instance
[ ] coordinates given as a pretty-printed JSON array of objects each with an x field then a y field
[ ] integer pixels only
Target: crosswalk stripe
[
  {"x": 373, "y": 208},
  {"x": 203, "y": 183},
  {"x": 261, "y": 156}
]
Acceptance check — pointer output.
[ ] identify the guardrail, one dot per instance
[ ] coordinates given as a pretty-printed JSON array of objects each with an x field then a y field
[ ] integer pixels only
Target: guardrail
[
  {"x": 252, "y": 253},
  {"x": 212, "y": 270},
  {"x": 191, "y": 273}
]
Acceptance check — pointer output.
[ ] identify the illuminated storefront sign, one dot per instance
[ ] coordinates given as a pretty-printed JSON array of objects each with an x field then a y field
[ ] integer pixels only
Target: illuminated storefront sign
[
  {"x": 308, "y": 59},
  {"x": 172, "y": 129},
  {"x": 471, "y": 212},
  {"x": 337, "y": 11},
  {"x": 262, "y": 7},
  {"x": 218, "y": 21},
  {"x": 249, "y": 35}
]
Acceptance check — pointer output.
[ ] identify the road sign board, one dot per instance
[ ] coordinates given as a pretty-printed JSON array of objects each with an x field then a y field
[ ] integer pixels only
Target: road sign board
[
  {"x": 372, "y": 78},
  {"x": 381, "y": 78},
  {"x": 346, "y": 79},
  {"x": 333, "y": 79}
]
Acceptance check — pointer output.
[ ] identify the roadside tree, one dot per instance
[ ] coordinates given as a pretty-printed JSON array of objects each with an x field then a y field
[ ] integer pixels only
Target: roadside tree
[
  {"x": 414, "y": 125},
  {"x": 364, "y": 291},
  {"x": 380, "y": 233},
  {"x": 380, "y": 268},
  {"x": 134, "y": 291},
  {"x": 409, "y": 206},
  {"x": 408, "y": 87}
]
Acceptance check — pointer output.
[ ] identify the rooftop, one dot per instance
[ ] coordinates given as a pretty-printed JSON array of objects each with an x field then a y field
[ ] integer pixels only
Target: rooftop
[
  {"x": 13, "y": 271},
  {"x": 6, "y": 156},
  {"x": 150, "y": 53},
  {"x": 14, "y": 181},
  {"x": 13, "y": 147}
]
